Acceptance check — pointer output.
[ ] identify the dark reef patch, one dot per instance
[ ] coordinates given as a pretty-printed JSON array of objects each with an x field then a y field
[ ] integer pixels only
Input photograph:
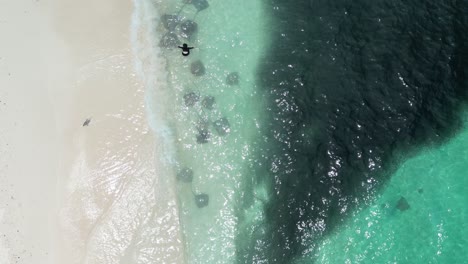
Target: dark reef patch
[{"x": 353, "y": 87}]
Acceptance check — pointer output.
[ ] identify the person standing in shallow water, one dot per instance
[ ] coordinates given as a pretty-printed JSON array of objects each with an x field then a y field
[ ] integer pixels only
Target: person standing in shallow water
[{"x": 185, "y": 49}]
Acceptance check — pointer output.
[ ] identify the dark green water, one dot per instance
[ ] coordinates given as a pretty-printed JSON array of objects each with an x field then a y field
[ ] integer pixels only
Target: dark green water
[{"x": 355, "y": 89}]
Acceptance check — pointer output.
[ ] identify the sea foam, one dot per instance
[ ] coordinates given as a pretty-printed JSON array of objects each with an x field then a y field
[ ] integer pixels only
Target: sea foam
[{"x": 151, "y": 67}]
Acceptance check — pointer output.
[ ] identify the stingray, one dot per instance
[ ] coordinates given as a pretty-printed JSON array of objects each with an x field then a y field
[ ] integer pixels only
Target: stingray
[
  {"x": 208, "y": 102},
  {"x": 232, "y": 78},
  {"x": 188, "y": 28},
  {"x": 170, "y": 22},
  {"x": 169, "y": 40},
  {"x": 222, "y": 126},
  {"x": 200, "y": 5},
  {"x": 202, "y": 124},
  {"x": 185, "y": 175},
  {"x": 87, "y": 121},
  {"x": 402, "y": 204},
  {"x": 197, "y": 68},
  {"x": 201, "y": 200},
  {"x": 191, "y": 98},
  {"x": 203, "y": 136}
]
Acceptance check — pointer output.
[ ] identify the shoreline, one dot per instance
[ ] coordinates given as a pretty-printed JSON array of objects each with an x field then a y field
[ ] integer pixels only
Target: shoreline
[
  {"x": 116, "y": 153},
  {"x": 98, "y": 192}
]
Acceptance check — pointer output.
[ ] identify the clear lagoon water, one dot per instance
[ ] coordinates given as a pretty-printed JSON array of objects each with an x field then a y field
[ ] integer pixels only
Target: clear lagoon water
[{"x": 321, "y": 132}]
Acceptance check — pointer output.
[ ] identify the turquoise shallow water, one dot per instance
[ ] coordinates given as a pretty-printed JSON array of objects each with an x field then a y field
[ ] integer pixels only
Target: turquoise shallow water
[
  {"x": 304, "y": 137},
  {"x": 227, "y": 40},
  {"x": 433, "y": 230}
]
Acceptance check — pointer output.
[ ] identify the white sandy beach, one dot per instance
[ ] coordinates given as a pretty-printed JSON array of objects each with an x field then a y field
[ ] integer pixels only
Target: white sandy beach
[{"x": 71, "y": 193}]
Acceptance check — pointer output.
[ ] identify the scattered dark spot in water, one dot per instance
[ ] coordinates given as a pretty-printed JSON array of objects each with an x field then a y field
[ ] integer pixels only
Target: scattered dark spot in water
[
  {"x": 197, "y": 68},
  {"x": 420, "y": 190},
  {"x": 222, "y": 126},
  {"x": 402, "y": 204},
  {"x": 203, "y": 136},
  {"x": 202, "y": 200},
  {"x": 188, "y": 28},
  {"x": 87, "y": 121},
  {"x": 185, "y": 175},
  {"x": 208, "y": 102},
  {"x": 169, "y": 40},
  {"x": 170, "y": 22},
  {"x": 191, "y": 98},
  {"x": 232, "y": 78},
  {"x": 200, "y": 4}
]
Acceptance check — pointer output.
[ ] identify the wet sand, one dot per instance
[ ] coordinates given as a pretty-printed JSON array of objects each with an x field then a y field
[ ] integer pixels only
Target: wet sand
[{"x": 72, "y": 193}]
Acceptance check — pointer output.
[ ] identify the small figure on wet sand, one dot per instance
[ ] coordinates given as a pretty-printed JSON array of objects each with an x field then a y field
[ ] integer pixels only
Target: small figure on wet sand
[
  {"x": 197, "y": 68},
  {"x": 185, "y": 49},
  {"x": 202, "y": 200},
  {"x": 87, "y": 121},
  {"x": 191, "y": 98},
  {"x": 222, "y": 126},
  {"x": 402, "y": 204},
  {"x": 185, "y": 175},
  {"x": 232, "y": 78}
]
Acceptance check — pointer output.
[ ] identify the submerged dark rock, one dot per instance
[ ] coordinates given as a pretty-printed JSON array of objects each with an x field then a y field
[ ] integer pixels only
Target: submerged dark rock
[
  {"x": 188, "y": 28},
  {"x": 185, "y": 175},
  {"x": 170, "y": 22},
  {"x": 197, "y": 68},
  {"x": 202, "y": 200},
  {"x": 402, "y": 204},
  {"x": 222, "y": 126},
  {"x": 191, "y": 98},
  {"x": 169, "y": 40},
  {"x": 208, "y": 102},
  {"x": 232, "y": 78}
]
